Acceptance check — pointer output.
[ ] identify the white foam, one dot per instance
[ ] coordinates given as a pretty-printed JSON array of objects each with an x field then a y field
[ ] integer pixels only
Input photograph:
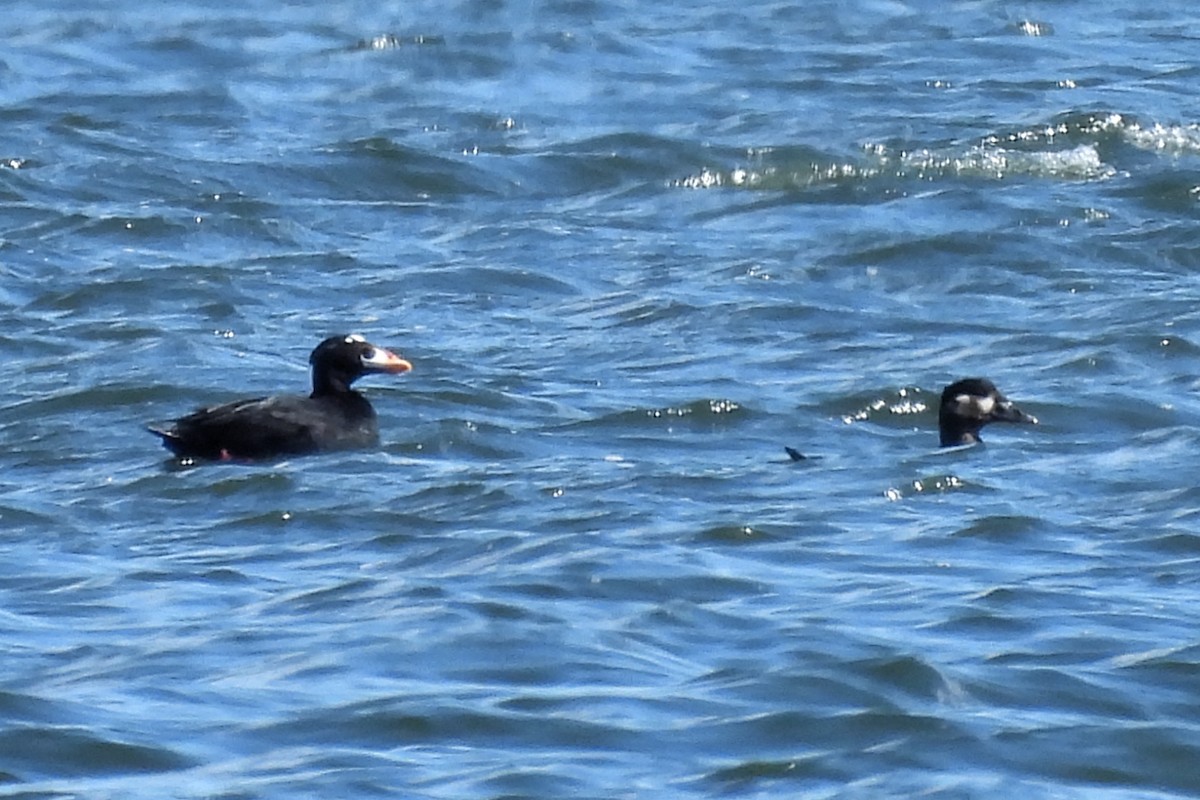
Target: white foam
[
  {"x": 988, "y": 161},
  {"x": 1175, "y": 139}
]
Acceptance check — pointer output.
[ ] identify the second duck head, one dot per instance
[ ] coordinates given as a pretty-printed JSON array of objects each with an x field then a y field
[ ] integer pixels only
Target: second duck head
[{"x": 969, "y": 404}]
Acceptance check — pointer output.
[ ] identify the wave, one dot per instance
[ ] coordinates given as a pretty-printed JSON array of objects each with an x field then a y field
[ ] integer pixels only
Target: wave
[{"x": 1072, "y": 147}]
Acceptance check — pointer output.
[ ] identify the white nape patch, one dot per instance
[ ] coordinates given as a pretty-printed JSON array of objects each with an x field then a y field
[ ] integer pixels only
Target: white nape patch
[
  {"x": 970, "y": 405},
  {"x": 354, "y": 338}
]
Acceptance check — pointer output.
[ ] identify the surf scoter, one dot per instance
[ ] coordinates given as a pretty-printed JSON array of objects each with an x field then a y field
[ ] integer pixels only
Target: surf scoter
[
  {"x": 967, "y": 405},
  {"x": 971, "y": 403},
  {"x": 333, "y": 417}
]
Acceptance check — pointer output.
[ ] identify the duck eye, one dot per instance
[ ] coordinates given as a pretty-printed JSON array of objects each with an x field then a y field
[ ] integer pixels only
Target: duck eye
[{"x": 367, "y": 353}]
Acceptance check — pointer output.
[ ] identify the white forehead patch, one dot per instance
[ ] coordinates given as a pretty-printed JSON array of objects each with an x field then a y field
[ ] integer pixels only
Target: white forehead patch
[
  {"x": 354, "y": 338},
  {"x": 970, "y": 405}
]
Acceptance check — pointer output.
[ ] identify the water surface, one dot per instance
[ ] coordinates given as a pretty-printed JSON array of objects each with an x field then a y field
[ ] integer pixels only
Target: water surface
[{"x": 632, "y": 252}]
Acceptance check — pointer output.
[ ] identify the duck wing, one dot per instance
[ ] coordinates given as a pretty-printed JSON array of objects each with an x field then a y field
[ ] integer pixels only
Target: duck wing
[{"x": 246, "y": 429}]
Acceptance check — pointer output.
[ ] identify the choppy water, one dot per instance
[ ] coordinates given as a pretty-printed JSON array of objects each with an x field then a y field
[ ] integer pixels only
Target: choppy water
[{"x": 632, "y": 250}]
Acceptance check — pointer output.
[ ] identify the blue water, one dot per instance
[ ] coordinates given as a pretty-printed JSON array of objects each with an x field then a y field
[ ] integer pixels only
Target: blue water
[{"x": 632, "y": 250}]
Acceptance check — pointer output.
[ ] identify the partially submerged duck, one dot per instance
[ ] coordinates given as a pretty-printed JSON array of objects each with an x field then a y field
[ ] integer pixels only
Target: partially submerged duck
[
  {"x": 332, "y": 417},
  {"x": 966, "y": 406},
  {"x": 971, "y": 403}
]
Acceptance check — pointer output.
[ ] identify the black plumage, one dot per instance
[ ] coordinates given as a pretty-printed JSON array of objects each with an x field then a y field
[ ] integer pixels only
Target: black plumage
[
  {"x": 969, "y": 404},
  {"x": 332, "y": 417}
]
